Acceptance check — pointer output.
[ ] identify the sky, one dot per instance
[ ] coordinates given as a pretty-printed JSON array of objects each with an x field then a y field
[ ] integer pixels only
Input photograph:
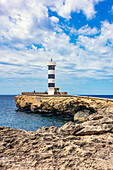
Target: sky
[{"x": 78, "y": 35}]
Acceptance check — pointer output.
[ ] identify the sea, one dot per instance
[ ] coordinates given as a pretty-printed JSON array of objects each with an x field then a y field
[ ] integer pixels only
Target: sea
[{"x": 10, "y": 117}]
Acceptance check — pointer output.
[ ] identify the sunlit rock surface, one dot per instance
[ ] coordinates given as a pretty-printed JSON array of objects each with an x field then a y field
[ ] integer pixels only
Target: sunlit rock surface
[
  {"x": 79, "y": 108},
  {"x": 78, "y": 145},
  {"x": 87, "y": 145}
]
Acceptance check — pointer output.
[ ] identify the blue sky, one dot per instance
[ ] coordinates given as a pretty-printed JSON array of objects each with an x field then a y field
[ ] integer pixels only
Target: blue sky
[{"x": 78, "y": 35}]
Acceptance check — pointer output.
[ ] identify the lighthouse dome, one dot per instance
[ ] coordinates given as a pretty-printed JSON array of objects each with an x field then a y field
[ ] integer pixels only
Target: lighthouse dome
[{"x": 51, "y": 63}]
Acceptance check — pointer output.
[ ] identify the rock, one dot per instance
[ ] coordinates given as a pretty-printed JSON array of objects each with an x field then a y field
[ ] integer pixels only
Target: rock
[
  {"x": 24, "y": 102},
  {"x": 95, "y": 127},
  {"x": 82, "y": 116},
  {"x": 78, "y": 108},
  {"x": 34, "y": 163},
  {"x": 34, "y": 108},
  {"x": 86, "y": 143},
  {"x": 74, "y": 146}
]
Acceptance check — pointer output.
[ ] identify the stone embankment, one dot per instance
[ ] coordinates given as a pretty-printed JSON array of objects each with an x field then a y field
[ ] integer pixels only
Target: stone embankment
[{"x": 78, "y": 108}]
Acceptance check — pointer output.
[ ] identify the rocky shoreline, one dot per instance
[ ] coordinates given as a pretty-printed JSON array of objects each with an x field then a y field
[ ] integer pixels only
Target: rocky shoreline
[
  {"x": 84, "y": 144},
  {"x": 87, "y": 145},
  {"x": 76, "y": 107}
]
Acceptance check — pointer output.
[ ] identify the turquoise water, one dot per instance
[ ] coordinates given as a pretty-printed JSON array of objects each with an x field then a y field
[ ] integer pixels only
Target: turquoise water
[
  {"x": 28, "y": 121},
  {"x": 9, "y": 117}
]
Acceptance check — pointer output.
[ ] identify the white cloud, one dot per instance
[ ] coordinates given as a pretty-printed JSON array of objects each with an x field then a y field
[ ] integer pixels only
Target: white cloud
[
  {"x": 65, "y": 7},
  {"x": 85, "y": 30},
  {"x": 94, "y": 60},
  {"x": 98, "y": 51},
  {"x": 26, "y": 20},
  {"x": 98, "y": 43},
  {"x": 34, "y": 47},
  {"x": 22, "y": 19},
  {"x": 27, "y": 23},
  {"x": 54, "y": 19}
]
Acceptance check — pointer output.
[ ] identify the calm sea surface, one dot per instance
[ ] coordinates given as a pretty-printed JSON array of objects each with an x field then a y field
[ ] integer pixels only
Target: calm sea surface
[
  {"x": 27, "y": 121},
  {"x": 100, "y": 96},
  {"x": 23, "y": 120}
]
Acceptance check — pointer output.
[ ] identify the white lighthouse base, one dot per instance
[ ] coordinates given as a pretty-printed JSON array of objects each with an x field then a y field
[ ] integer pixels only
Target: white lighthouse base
[{"x": 53, "y": 90}]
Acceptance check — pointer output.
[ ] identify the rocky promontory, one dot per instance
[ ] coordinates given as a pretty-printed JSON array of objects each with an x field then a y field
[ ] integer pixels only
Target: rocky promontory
[
  {"x": 86, "y": 143},
  {"x": 78, "y": 108}
]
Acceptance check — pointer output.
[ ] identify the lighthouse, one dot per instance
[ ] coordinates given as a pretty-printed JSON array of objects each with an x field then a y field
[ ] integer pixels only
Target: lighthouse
[{"x": 51, "y": 78}]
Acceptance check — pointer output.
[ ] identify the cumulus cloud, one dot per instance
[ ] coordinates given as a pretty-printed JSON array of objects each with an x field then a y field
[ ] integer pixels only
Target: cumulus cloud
[
  {"x": 54, "y": 19},
  {"x": 90, "y": 57},
  {"x": 103, "y": 42},
  {"x": 98, "y": 51},
  {"x": 27, "y": 25},
  {"x": 34, "y": 47},
  {"x": 85, "y": 30},
  {"x": 22, "y": 19},
  {"x": 29, "y": 20},
  {"x": 65, "y": 7}
]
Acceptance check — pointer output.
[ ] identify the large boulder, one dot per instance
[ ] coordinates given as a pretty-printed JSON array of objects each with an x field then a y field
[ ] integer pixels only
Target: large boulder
[
  {"x": 82, "y": 115},
  {"x": 99, "y": 125}
]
